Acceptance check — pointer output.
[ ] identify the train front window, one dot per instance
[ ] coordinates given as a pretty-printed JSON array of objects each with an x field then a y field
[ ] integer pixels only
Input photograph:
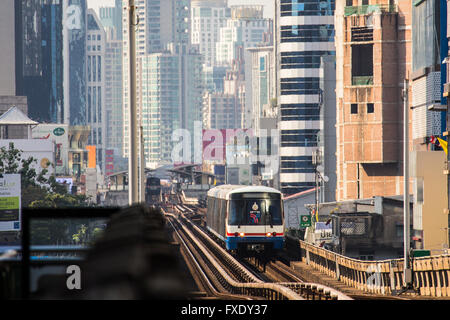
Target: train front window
[
  {"x": 252, "y": 212},
  {"x": 274, "y": 207},
  {"x": 235, "y": 216}
]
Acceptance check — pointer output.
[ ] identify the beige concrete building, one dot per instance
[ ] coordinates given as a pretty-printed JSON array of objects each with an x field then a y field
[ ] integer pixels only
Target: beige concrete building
[
  {"x": 430, "y": 221},
  {"x": 373, "y": 57}
]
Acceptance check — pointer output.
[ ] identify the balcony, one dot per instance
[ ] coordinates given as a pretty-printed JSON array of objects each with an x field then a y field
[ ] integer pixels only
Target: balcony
[
  {"x": 362, "y": 80},
  {"x": 367, "y": 9}
]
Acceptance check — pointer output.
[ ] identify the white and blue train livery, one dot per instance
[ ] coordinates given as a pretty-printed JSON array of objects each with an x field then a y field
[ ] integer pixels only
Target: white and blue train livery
[{"x": 246, "y": 217}]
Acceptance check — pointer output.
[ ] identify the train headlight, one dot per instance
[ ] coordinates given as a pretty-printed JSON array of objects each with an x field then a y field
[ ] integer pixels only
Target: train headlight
[
  {"x": 241, "y": 234},
  {"x": 268, "y": 234},
  {"x": 274, "y": 234}
]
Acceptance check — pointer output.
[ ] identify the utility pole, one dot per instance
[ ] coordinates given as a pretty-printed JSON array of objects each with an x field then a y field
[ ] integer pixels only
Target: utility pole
[
  {"x": 407, "y": 273},
  {"x": 142, "y": 176},
  {"x": 133, "y": 174},
  {"x": 316, "y": 162}
]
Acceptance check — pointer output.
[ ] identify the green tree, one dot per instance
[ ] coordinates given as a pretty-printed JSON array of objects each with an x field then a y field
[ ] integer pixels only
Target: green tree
[{"x": 37, "y": 190}]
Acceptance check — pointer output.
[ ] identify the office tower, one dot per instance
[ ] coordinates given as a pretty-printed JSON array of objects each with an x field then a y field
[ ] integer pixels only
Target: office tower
[
  {"x": 39, "y": 62},
  {"x": 426, "y": 73},
  {"x": 74, "y": 57},
  {"x": 305, "y": 33}
]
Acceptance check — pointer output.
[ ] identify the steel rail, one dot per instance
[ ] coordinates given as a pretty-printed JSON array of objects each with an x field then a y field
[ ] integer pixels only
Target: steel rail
[{"x": 256, "y": 288}]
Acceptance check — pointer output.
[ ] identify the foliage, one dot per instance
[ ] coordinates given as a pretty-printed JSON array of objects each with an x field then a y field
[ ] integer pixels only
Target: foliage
[
  {"x": 37, "y": 190},
  {"x": 81, "y": 236}
]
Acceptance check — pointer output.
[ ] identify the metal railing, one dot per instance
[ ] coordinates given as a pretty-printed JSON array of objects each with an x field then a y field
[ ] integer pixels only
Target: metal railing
[{"x": 431, "y": 274}]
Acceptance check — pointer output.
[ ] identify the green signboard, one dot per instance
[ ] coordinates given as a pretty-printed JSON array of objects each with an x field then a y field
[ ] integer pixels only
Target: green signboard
[
  {"x": 59, "y": 131},
  {"x": 420, "y": 253},
  {"x": 305, "y": 221}
]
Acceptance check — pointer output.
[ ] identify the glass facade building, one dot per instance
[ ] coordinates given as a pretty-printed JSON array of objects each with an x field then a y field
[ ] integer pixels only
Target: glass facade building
[
  {"x": 305, "y": 33},
  {"x": 427, "y": 71},
  {"x": 74, "y": 57},
  {"x": 41, "y": 70}
]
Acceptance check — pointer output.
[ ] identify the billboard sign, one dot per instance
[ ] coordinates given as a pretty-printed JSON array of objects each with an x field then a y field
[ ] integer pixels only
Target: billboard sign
[
  {"x": 92, "y": 160},
  {"x": 10, "y": 202},
  {"x": 58, "y": 133}
]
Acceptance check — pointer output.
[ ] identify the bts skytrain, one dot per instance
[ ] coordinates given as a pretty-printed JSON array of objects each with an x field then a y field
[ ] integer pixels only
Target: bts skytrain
[{"x": 246, "y": 218}]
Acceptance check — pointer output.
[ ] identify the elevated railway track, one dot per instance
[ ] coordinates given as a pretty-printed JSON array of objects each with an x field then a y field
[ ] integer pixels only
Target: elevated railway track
[{"x": 221, "y": 274}]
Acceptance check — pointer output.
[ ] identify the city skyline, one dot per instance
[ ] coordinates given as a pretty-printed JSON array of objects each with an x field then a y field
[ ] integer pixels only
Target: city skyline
[{"x": 268, "y": 5}]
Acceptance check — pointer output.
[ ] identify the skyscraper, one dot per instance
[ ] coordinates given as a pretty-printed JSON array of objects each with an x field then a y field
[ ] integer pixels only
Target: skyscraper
[
  {"x": 74, "y": 57},
  {"x": 95, "y": 82},
  {"x": 40, "y": 59},
  {"x": 305, "y": 33},
  {"x": 207, "y": 17},
  {"x": 168, "y": 76}
]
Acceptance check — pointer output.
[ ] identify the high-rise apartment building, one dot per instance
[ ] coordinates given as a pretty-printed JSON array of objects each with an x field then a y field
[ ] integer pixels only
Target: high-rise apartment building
[
  {"x": 305, "y": 33},
  {"x": 207, "y": 17},
  {"x": 244, "y": 29},
  {"x": 219, "y": 111},
  {"x": 260, "y": 93},
  {"x": 373, "y": 58},
  {"x": 95, "y": 83},
  {"x": 169, "y": 80},
  {"x": 111, "y": 19},
  {"x": 170, "y": 99}
]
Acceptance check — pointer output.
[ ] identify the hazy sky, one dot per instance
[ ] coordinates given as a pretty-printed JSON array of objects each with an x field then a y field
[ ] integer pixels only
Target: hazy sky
[{"x": 268, "y": 10}]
